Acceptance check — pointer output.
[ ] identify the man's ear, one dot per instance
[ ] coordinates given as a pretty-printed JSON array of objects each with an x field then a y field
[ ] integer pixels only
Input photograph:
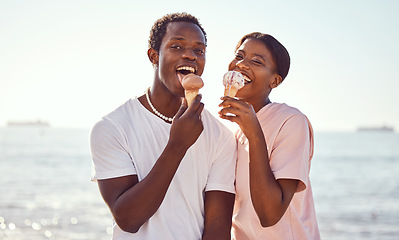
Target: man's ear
[
  {"x": 276, "y": 81},
  {"x": 153, "y": 56}
]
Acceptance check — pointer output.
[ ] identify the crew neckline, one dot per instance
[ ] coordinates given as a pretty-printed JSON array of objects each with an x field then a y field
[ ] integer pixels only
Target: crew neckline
[{"x": 149, "y": 113}]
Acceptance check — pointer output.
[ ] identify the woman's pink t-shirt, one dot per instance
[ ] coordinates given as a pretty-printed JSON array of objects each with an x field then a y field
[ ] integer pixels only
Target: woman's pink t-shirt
[{"x": 289, "y": 139}]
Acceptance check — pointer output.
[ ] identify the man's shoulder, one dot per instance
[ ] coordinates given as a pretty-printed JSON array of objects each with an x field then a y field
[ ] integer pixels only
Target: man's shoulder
[
  {"x": 213, "y": 122},
  {"x": 127, "y": 110},
  {"x": 123, "y": 108},
  {"x": 215, "y": 132},
  {"x": 116, "y": 117}
]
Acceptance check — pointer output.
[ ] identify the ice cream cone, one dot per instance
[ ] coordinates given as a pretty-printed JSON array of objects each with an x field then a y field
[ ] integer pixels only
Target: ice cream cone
[
  {"x": 232, "y": 81},
  {"x": 230, "y": 91},
  {"x": 191, "y": 84},
  {"x": 190, "y": 95}
]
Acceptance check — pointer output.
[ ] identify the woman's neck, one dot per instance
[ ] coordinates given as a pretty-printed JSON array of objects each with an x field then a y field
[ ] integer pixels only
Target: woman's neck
[{"x": 259, "y": 105}]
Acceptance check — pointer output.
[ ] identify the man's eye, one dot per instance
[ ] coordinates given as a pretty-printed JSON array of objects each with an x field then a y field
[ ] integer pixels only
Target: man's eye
[
  {"x": 176, "y": 47},
  {"x": 200, "y": 51}
]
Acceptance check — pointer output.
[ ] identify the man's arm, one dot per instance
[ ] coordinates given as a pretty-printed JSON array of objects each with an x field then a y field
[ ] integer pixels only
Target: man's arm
[
  {"x": 132, "y": 202},
  {"x": 218, "y": 215}
]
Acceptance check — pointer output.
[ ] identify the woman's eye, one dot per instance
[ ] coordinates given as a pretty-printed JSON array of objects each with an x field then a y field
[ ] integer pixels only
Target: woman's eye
[
  {"x": 176, "y": 47},
  {"x": 239, "y": 56},
  {"x": 257, "y": 62}
]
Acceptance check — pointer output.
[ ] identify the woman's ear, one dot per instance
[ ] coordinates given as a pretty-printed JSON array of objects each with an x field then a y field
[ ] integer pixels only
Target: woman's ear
[
  {"x": 153, "y": 56},
  {"x": 276, "y": 81}
]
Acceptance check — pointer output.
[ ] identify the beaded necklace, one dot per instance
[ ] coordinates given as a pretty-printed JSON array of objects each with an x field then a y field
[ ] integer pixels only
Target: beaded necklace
[{"x": 168, "y": 119}]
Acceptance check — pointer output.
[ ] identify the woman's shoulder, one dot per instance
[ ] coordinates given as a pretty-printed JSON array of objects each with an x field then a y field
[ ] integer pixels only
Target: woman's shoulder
[
  {"x": 280, "y": 110},
  {"x": 284, "y": 108}
]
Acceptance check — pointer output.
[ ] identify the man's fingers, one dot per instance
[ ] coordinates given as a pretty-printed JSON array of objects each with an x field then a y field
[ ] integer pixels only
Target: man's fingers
[
  {"x": 199, "y": 109},
  {"x": 195, "y": 104},
  {"x": 182, "y": 108}
]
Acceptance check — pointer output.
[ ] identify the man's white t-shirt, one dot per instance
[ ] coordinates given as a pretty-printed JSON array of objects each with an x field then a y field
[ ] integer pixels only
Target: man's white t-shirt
[{"x": 129, "y": 140}]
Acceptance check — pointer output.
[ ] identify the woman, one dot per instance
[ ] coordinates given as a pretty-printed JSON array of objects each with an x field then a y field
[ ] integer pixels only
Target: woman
[{"x": 275, "y": 146}]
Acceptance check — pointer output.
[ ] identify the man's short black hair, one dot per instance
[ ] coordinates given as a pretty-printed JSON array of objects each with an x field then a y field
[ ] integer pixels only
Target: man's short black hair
[
  {"x": 280, "y": 54},
  {"x": 158, "y": 30}
]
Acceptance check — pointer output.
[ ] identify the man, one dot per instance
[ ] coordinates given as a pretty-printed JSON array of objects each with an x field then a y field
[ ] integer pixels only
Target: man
[{"x": 163, "y": 177}]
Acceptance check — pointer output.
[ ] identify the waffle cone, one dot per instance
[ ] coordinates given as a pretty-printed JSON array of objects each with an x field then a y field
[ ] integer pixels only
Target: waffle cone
[
  {"x": 230, "y": 91},
  {"x": 190, "y": 95}
]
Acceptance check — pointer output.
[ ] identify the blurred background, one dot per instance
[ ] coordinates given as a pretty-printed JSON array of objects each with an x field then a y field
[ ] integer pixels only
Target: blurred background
[
  {"x": 71, "y": 62},
  {"x": 65, "y": 64}
]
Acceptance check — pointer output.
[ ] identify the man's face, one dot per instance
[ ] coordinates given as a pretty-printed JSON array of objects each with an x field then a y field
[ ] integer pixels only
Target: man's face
[{"x": 182, "y": 52}]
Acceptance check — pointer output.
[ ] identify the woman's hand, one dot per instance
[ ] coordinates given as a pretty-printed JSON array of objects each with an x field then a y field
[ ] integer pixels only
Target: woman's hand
[{"x": 241, "y": 113}]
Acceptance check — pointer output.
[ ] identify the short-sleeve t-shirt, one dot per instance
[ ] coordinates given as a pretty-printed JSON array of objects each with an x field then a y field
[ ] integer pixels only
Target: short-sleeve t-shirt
[
  {"x": 129, "y": 140},
  {"x": 289, "y": 139}
]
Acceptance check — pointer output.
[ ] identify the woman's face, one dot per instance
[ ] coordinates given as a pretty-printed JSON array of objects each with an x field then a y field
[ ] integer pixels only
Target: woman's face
[{"x": 256, "y": 63}]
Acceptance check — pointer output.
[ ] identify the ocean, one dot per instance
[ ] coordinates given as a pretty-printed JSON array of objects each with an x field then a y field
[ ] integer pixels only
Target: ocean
[{"x": 46, "y": 192}]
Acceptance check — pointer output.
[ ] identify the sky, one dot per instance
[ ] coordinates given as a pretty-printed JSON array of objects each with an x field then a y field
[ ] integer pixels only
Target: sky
[{"x": 71, "y": 62}]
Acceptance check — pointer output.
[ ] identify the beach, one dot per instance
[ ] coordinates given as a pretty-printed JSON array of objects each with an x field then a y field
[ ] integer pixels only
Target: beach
[{"x": 46, "y": 192}]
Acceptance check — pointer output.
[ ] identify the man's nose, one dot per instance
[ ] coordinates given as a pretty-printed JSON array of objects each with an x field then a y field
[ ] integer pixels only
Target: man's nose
[{"x": 189, "y": 54}]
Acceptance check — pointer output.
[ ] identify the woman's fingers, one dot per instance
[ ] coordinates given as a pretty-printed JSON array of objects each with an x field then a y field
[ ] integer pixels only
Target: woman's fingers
[
  {"x": 230, "y": 110},
  {"x": 228, "y": 101},
  {"x": 231, "y": 118}
]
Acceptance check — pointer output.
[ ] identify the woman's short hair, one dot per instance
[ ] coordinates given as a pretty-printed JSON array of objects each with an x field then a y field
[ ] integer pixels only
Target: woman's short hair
[{"x": 280, "y": 54}]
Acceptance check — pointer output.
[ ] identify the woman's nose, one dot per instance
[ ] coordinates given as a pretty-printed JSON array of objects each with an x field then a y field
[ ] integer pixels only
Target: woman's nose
[{"x": 242, "y": 64}]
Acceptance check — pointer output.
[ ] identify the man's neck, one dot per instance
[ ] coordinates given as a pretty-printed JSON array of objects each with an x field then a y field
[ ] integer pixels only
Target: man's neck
[{"x": 162, "y": 100}]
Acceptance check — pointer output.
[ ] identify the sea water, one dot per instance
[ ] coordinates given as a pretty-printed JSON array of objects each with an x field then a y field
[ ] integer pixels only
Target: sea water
[
  {"x": 46, "y": 192},
  {"x": 355, "y": 179}
]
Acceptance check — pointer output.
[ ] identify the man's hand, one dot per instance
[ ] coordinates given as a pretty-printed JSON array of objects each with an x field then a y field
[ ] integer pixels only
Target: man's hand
[{"x": 187, "y": 125}]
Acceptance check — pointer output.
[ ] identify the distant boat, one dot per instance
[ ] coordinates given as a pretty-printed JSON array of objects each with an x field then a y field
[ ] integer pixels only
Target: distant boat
[
  {"x": 376, "y": 129},
  {"x": 38, "y": 123}
]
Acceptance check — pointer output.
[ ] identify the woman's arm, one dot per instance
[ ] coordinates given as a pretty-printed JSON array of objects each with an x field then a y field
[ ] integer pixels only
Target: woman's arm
[{"x": 270, "y": 197}]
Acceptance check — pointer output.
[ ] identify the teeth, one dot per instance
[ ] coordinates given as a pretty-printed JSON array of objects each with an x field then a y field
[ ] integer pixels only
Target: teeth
[
  {"x": 247, "y": 79},
  {"x": 186, "y": 68}
]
